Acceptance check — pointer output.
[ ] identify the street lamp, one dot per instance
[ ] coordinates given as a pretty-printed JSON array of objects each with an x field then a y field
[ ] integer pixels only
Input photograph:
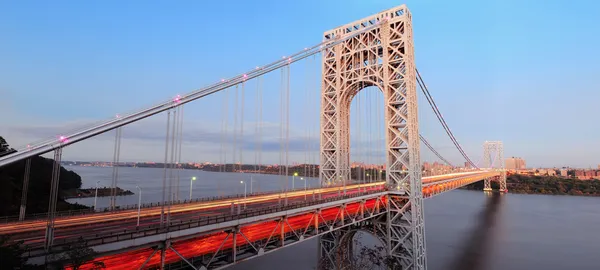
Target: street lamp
[
  {"x": 191, "y": 182},
  {"x": 96, "y": 196},
  {"x": 293, "y": 179},
  {"x": 305, "y": 180},
  {"x": 139, "y": 204},
  {"x": 245, "y": 188}
]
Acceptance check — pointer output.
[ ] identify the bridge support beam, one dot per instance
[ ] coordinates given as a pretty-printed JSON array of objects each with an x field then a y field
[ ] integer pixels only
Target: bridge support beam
[
  {"x": 502, "y": 181},
  {"x": 487, "y": 185},
  {"x": 234, "y": 247},
  {"x": 163, "y": 253},
  {"x": 148, "y": 259}
]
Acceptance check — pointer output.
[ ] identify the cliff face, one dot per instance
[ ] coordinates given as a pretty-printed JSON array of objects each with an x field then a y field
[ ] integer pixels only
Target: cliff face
[{"x": 11, "y": 185}]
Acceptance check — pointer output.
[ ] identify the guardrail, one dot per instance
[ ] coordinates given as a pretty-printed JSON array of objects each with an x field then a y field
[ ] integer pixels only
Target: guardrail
[{"x": 40, "y": 216}]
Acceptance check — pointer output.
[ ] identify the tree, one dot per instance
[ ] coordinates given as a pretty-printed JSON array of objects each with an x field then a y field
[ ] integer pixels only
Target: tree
[
  {"x": 10, "y": 254},
  {"x": 78, "y": 254},
  {"x": 5, "y": 148}
]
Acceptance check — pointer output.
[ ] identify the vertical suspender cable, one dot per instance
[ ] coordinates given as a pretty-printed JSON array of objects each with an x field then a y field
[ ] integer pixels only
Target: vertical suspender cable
[
  {"x": 115, "y": 167},
  {"x": 380, "y": 156},
  {"x": 309, "y": 102},
  {"x": 170, "y": 189},
  {"x": 287, "y": 123},
  {"x": 371, "y": 144},
  {"x": 281, "y": 119},
  {"x": 224, "y": 128},
  {"x": 179, "y": 167},
  {"x": 235, "y": 135},
  {"x": 359, "y": 149},
  {"x": 317, "y": 116},
  {"x": 368, "y": 135},
  {"x": 164, "y": 186},
  {"x": 241, "y": 145},
  {"x": 256, "y": 127},
  {"x": 306, "y": 119},
  {"x": 260, "y": 122}
]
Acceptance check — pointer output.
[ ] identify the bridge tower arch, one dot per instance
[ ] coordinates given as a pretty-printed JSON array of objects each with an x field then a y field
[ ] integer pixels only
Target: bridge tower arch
[
  {"x": 384, "y": 57},
  {"x": 493, "y": 159}
]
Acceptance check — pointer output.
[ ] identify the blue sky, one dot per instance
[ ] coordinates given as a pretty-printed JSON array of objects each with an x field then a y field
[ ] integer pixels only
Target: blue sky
[{"x": 524, "y": 72}]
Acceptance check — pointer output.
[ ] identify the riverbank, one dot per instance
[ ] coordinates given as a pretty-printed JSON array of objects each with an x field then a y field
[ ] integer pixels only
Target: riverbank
[
  {"x": 91, "y": 192},
  {"x": 38, "y": 192},
  {"x": 549, "y": 185}
]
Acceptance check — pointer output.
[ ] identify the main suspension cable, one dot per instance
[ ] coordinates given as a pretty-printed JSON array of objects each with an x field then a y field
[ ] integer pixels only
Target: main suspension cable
[
  {"x": 441, "y": 118},
  {"x": 434, "y": 151}
]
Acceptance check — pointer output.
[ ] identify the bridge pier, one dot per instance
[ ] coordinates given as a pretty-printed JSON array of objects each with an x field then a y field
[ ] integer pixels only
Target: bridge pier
[{"x": 487, "y": 185}]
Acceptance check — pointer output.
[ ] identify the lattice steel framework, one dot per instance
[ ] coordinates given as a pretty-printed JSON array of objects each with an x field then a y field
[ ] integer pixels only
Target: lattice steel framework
[
  {"x": 493, "y": 159},
  {"x": 381, "y": 57}
]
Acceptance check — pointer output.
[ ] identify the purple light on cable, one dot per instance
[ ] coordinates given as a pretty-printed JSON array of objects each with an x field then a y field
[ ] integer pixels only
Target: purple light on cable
[
  {"x": 177, "y": 99},
  {"x": 63, "y": 139}
]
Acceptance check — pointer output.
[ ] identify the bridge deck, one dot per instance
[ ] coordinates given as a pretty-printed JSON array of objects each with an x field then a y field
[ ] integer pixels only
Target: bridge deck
[{"x": 104, "y": 228}]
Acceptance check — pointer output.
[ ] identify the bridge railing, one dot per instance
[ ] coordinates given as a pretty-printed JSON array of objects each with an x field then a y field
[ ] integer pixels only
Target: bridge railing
[
  {"x": 69, "y": 213},
  {"x": 177, "y": 225}
]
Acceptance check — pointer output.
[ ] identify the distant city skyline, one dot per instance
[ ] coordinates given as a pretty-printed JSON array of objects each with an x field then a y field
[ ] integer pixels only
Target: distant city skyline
[{"x": 70, "y": 64}]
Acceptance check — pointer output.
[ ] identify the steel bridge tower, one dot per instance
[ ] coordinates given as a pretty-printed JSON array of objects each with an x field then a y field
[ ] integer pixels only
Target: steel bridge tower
[
  {"x": 381, "y": 57},
  {"x": 493, "y": 159}
]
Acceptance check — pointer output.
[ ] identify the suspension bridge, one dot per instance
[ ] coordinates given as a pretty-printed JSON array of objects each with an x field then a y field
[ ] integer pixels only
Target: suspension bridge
[{"x": 213, "y": 233}]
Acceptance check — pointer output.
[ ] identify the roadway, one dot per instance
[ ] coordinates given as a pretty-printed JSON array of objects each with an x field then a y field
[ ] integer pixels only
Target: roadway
[{"x": 32, "y": 232}]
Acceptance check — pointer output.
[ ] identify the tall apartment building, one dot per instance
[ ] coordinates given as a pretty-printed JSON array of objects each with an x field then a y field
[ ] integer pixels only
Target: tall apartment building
[{"x": 514, "y": 163}]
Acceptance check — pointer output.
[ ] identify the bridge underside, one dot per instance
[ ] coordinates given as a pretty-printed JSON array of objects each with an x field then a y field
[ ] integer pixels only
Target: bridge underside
[{"x": 227, "y": 245}]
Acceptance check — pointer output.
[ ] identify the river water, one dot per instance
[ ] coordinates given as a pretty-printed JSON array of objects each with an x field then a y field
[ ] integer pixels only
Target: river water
[{"x": 465, "y": 230}]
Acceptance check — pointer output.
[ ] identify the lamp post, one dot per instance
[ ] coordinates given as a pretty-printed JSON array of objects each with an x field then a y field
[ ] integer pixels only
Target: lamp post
[
  {"x": 139, "y": 204},
  {"x": 96, "y": 196},
  {"x": 191, "y": 182},
  {"x": 302, "y": 178},
  {"x": 293, "y": 179},
  {"x": 251, "y": 181},
  {"x": 245, "y": 188}
]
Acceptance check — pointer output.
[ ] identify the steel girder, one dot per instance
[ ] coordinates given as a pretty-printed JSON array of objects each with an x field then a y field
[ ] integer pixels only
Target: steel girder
[{"x": 245, "y": 241}]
